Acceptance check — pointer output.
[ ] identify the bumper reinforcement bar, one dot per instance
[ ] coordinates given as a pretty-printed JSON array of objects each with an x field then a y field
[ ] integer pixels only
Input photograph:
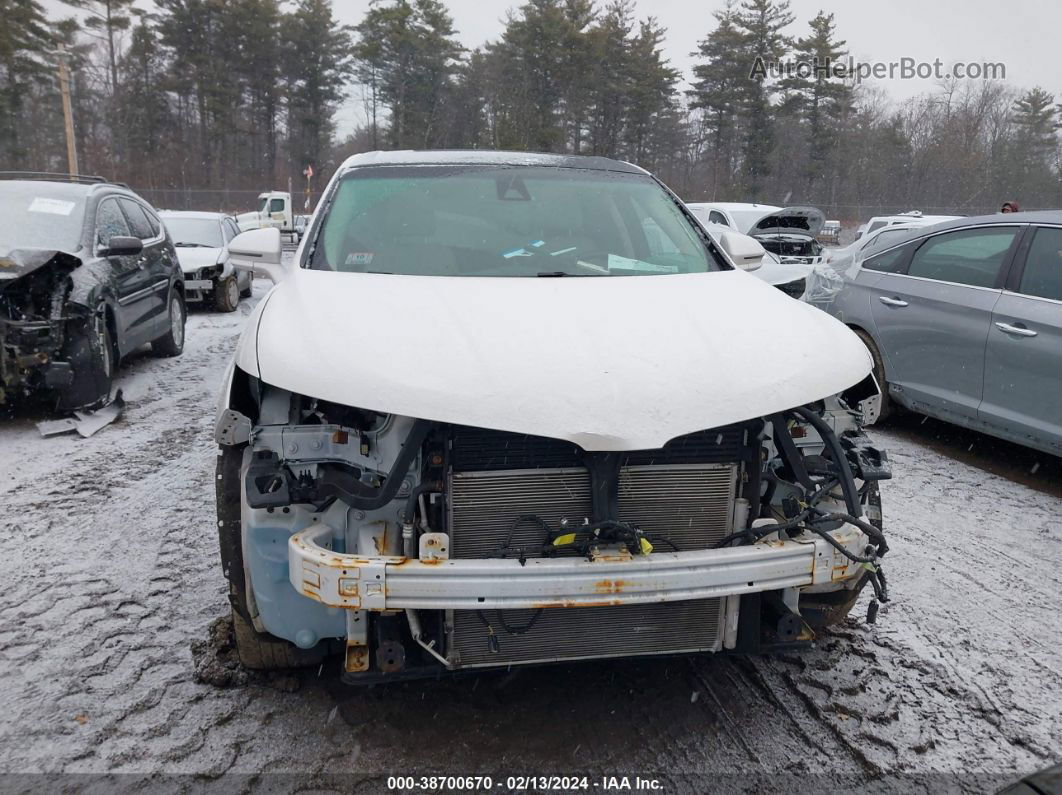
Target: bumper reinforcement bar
[{"x": 392, "y": 583}]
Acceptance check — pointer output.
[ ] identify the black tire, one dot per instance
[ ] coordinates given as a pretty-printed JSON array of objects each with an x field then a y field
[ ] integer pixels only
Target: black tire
[
  {"x": 885, "y": 406},
  {"x": 92, "y": 352},
  {"x": 172, "y": 342},
  {"x": 226, "y": 294},
  {"x": 245, "y": 293},
  {"x": 259, "y": 651}
]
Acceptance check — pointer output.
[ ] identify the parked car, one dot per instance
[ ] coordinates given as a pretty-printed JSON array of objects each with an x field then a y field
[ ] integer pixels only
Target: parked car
[
  {"x": 964, "y": 321},
  {"x": 841, "y": 259},
  {"x": 87, "y": 275},
  {"x": 790, "y": 233},
  {"x": 201, "y": 241},
  {"x": 912, "y": 217},
  {"x": 511, "y": 408},
  {"x": 790, "y": 278},
  {"x": 830, "y": 232},
  {"x": 301, "y": 222}
]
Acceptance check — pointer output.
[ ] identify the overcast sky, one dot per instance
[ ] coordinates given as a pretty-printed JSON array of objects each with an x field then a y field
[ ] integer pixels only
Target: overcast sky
[{"x": 1022, "y": 34}]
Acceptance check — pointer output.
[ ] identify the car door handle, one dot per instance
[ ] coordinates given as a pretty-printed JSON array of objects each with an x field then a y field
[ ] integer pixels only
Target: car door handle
[
  {"x": 891, "y": 301},
  {"x": 1017, "y": 331}
]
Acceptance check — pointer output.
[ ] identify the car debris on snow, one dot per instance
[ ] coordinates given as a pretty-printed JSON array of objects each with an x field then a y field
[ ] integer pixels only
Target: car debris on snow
[{"x": 85, "y": 423}]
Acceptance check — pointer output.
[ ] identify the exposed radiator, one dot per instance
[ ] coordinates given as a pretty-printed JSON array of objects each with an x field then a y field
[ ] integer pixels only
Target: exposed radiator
[
  {"x": 583, "y": 632},
  {"x": 688, "y": 504}
]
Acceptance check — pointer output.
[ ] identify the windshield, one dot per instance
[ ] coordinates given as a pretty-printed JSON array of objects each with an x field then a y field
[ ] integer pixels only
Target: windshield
[
  {"x": 34, "y": 215},
  {"x": 506, "y": 221},
  {"x": 194, "y": 232}
]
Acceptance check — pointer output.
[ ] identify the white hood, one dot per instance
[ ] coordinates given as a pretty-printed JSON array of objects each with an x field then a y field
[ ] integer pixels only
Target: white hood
[
  {"x": 192, "y": 258},
  {"x": 610, "y": 363}
]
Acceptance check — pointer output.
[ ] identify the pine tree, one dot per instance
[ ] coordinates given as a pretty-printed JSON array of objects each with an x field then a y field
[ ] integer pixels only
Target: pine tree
[
  {"x": 825, "y": 99},
  {"x": 410, "y": 49},
  {"x": 760, "y": 23},
  {"x": 25, "y": 62},
  {"x": 317, "y": 63},
  {"x": 718, "y": 91},
  {"x": 651, "y": 98},
  {"x": 144, "y": 105}
]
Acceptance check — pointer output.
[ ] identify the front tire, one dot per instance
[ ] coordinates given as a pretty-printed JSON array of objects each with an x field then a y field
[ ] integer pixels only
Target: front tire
[
  {"x": 95, "y": 361},
  {"x": 227, "y": 294},
  {"x": 877, "y": 409},
  {"x": 172, "y": 342}
]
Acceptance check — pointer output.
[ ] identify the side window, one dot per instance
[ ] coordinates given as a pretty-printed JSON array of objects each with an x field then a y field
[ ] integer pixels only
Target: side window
[
  {"x": 276, "y": 205},
  {"x": 716, "y": 217},
  {"x": 883, "y": 239},
  {"x": 233, "y": 230},
  {"x": 110, "y": 222},
  {"x": 156, "y": 224},
  {"x": 972, "y": 256},
  {"x": 889, "y": 261},
  {"x": 873, "y": 226},
  {"x": 138, "y": 221},
  {"x": 1042, "y": 276}
]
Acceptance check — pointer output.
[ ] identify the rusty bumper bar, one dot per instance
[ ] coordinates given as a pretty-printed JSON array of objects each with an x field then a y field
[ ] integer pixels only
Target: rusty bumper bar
[{"x": 391, "y": 583}]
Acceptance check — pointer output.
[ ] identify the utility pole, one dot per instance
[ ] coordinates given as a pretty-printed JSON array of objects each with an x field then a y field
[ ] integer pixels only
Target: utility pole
[{"x": 68, "y": 113}]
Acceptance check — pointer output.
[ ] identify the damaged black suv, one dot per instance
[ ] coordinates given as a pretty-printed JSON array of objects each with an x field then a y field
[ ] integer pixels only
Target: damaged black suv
[{"x": 87, "y": 275}]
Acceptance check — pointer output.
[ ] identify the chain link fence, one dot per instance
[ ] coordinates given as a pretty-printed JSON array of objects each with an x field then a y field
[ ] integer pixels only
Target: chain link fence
[{"x": 214, "y": 200}]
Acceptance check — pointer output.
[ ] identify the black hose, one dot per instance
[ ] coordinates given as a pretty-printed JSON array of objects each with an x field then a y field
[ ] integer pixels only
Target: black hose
[
  {"x": 875, "y": 534},
  {"x": 414, "y": 495},
  {"x": 366, "y": 498},
  {"x": 784, "y": 442},
  {"x": 789, "y": 524},
  {"x": 848, "y": 486}
]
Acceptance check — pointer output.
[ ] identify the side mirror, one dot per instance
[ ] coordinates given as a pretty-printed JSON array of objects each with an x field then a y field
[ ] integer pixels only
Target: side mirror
[
  {"x": 259, "y": 252},
  {"x": 745, "y": 252},
  {"x": 122, "y": 246}
]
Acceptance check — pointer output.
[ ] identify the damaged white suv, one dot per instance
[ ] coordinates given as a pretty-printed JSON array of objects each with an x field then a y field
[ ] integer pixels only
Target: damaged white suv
[{"x": 517, "y": 408}]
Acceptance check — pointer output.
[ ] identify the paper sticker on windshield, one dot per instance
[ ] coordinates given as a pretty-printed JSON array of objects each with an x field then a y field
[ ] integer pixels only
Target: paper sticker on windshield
[
  {"x": 359, "y": 258},
  {"x": 618, "y": 263},
  {"x": 52, "y": 206}
]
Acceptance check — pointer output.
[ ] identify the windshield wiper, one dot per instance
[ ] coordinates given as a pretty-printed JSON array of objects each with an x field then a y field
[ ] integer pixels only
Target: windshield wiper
[
  {"x": 192, "y": 245},
  {"x": 556, "y": 274}
]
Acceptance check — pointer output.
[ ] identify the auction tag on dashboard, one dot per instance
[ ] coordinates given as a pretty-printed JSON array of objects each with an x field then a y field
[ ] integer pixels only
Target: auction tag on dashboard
[
  {"x": 52, "y": 206},
  {"x": 359, "y": 258}
]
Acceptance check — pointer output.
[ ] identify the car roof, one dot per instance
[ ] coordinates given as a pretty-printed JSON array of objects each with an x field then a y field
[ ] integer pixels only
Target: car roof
[
  {"x": 484, "y": 157},
  {"x": 1033, "y": 217},
  {"x": 918, "y": 230},
  {"x": 193, "y": 214},
  {"x": 50, "y": 189}
]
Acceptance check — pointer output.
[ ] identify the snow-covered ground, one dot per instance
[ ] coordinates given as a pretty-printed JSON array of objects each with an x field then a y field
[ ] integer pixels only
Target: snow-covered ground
[{"x": 108, "y": 557}]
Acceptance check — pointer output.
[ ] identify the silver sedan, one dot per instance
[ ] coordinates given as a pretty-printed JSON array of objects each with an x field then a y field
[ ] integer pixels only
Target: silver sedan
[{"x": 964, "y": 321}]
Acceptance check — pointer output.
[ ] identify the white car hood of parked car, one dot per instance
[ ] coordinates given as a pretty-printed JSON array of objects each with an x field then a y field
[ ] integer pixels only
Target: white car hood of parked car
[
  {"x": 609, "y": 363},
  {"x": 192, "y": 258},
  {"x": 789, "y": 220}
]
